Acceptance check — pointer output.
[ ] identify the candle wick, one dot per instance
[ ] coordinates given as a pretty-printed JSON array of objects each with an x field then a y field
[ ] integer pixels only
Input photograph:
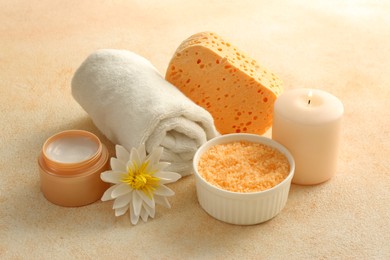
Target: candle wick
[{"x": 308, "y": 102}]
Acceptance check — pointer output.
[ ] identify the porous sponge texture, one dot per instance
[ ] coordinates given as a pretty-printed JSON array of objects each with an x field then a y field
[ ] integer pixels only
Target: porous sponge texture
[{"x": 237, "y": 91}]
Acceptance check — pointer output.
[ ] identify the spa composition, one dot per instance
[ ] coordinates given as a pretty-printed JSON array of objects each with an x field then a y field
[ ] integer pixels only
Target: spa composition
[{"x": 308, "y": 123}]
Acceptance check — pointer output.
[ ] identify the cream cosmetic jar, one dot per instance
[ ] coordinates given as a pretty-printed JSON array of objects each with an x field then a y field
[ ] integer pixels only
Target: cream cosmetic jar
[{"x": 70, "y": 164}]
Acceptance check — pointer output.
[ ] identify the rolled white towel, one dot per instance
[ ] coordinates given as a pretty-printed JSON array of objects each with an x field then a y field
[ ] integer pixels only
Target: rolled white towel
[{"x": 131, "y": 103}]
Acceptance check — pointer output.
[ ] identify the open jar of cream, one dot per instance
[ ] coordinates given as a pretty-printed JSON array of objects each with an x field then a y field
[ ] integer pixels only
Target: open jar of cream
[{"x": 70, "y": 164}]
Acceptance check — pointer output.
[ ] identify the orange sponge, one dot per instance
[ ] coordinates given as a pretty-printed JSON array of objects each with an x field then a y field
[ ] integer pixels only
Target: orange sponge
[{"x": 234, "y": 88}]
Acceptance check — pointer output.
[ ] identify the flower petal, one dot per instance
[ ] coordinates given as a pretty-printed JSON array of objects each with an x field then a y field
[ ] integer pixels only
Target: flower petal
[
  {"x": 122, "y": 154},
  {"x": 121, "y": 211},
  {"x": 164, "y": 181},
  {"x": 163, "y": 201},
  {"x": 133, "y": 217},
  {"x": 151, "y": 211},
  {"x": 164, "y": 191},
  {"x": 134, "y": 158},
  {"x": 111, "y": 176},
  {"x": 117, "y": 165},
  {"x": 167, "y": 177},
  {"x": 144, "y": 215},
  {"x": 122, "y": 201},
  {"x": 107, "y": 194},
  {"x": 137, "y": 203},
  {"x": 160, "y": 166},
  {"x": 121, "y": 189},
  {"x": 154, "y": 156},
  {"x": 149, "y": 201},
  {"x": 142, "y": 152}
]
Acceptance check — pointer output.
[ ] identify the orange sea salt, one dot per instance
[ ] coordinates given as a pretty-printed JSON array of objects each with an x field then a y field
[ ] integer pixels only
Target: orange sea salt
[{"x": 243, "y": 166}]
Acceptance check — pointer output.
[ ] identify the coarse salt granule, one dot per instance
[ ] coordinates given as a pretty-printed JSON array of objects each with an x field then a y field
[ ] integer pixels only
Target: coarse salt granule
[{"x": 243, "y": 166}]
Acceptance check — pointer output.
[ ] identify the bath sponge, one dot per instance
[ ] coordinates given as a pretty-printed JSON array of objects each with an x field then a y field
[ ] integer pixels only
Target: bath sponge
[{"x": 237, "y": 91}]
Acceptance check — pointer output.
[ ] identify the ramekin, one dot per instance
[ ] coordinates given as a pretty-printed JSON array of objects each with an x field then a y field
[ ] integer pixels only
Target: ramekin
[{"x": 236, "y": 207}]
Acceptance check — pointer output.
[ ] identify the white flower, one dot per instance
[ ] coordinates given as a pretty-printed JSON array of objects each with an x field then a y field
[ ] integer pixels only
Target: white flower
[{"x": 139, "y": 182}]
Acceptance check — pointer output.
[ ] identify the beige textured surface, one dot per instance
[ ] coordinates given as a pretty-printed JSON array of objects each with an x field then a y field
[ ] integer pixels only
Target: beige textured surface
[{"x": 340, "y": 46}]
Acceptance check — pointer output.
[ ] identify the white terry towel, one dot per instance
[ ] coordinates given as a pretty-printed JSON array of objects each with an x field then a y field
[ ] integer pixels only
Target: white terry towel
[{"x": 131, "y": 103}]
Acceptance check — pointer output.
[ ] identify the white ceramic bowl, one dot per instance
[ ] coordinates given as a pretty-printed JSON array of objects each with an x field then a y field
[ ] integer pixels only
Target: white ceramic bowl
[{"x": 236, "y": 207}]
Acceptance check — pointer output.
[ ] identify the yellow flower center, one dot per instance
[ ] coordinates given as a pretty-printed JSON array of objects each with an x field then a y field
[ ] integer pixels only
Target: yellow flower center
[{"x": 139, "y": 178}]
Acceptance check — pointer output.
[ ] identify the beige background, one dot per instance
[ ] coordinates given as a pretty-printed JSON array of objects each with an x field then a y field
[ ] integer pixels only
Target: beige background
[{"x": 342, "y": 47}]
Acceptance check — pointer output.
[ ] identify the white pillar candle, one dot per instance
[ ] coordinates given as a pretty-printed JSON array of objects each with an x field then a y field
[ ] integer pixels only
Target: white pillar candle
[{"x": 307, "y": 122}]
